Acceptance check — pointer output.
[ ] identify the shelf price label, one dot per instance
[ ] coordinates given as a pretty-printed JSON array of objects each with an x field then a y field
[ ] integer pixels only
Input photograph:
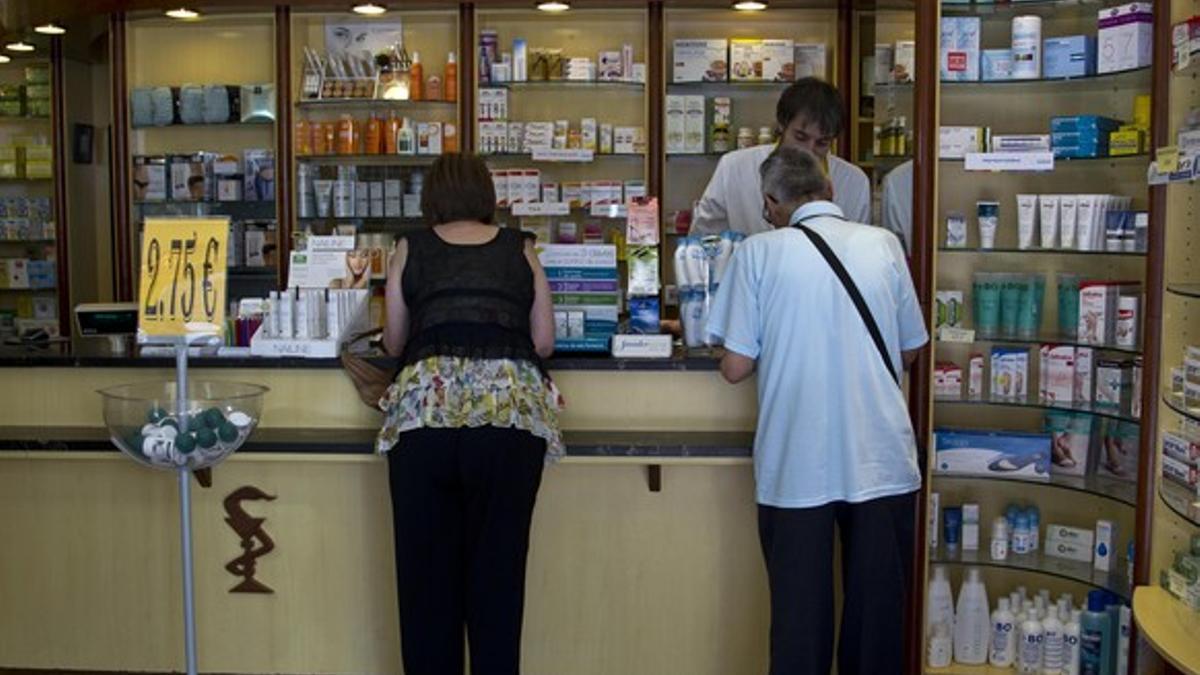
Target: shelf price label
[{"x": 182, "y": 279}]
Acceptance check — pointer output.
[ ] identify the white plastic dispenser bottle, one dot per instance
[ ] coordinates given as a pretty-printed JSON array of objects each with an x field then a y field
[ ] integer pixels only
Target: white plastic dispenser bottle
[
  {"x": 972, "y": 621},
  {"x": 941, "y": 647},
  {"x": 1052, "y": 643},
  {"x": 1071, "y": 644},
  {"x": 940, "y": 605},
  {"x": 1000, "y": 538},
  {"x": 1029, "y": 653},
  {"x": 1004, "y": 635}
]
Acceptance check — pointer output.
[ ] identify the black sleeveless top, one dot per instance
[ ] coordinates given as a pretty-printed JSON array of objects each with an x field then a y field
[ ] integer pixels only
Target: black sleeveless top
[{"x": 470, "y": 301}]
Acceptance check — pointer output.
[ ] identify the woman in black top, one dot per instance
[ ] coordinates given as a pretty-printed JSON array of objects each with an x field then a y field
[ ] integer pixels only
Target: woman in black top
[{"x": 471, "y": 419}]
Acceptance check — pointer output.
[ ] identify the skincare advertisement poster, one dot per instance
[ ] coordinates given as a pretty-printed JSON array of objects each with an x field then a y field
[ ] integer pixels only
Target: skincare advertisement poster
[{"x": 356, "y": 37}]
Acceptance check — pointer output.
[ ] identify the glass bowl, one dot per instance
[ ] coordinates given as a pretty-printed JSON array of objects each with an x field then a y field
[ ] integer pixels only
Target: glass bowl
[{"x": 143, "y": 421}]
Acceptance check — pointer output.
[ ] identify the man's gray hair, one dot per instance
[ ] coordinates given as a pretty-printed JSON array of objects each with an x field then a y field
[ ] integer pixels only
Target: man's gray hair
[{"x": 792, "y": 175}]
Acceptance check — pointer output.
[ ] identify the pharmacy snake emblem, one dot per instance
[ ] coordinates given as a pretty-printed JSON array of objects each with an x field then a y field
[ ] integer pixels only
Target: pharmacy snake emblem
[{"x": 251, "y": 531}]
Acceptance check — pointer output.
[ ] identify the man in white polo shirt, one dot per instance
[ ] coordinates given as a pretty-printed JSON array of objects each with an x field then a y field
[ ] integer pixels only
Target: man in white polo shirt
[
  {"x": 834, "y": 445},
  {"x": 810, "y": 116}
]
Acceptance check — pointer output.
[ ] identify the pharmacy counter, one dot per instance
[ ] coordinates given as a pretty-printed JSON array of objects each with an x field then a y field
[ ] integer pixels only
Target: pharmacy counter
[{"x": 644, "y": 556}]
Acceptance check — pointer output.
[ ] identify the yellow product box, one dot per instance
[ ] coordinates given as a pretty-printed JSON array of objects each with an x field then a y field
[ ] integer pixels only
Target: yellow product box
[
  {"x": 8, "y": 153},
  {"x": 1126, "y": 142},
  {"x": 38, "y": 153},
  {"x": 38, "y": 169},
  {"x": 9, "y": 170},
  {"x": 1141, "y": 111}
]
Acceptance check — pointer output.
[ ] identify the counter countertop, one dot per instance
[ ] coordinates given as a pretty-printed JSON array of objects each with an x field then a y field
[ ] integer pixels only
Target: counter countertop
[
  {"x": 85, "y": 353},
  {"x": 646, "y": 444}
]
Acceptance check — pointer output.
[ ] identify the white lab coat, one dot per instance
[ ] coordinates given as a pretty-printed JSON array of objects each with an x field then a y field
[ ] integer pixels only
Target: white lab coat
[
  {"x": 897, "y": 198},
  {"x": 733, "y": 199}
]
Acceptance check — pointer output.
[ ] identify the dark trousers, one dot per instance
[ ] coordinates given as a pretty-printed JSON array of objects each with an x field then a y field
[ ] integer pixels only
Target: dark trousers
[
  {"x": 877, "y": 547},
  {"x": 462, "y": 501}
]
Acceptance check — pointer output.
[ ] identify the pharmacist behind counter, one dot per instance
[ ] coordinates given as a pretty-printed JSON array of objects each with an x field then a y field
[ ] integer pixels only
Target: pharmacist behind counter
[{"x": 810, "y": 116}]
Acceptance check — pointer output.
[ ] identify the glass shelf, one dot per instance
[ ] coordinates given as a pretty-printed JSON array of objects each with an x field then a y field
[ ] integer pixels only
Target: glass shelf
[
  {"x": 739, "y": 84},
  {"x": 1039, "y": 251},
  {"x": 1064, "y": 160},
  {"x": 1073, "y": 570},
  {"x": 1124, "y": 492},
  {"x": 595, "y": 156},
  {"x": 1184, "y": 290},
  {"x": 551, "y": 84},
  {"x": 1045, "y": 339},
  {"x": 697, "y": 155},
  {"x": 1086, "y": 408},
  {"x": 1179, "y": 499},
  {"x": 407, "y": 220},
  {"x": 203, "y": 125},
  {"x": 1103, "y": 81},
  {"x": 370, "y": 103},
  {"x": 1045, "y": 8},
  {"x": 1175, "y": 402},
  {"x": 373, "y": 160}
]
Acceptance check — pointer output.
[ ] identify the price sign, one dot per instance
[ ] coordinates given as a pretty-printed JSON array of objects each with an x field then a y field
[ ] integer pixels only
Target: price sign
[{"x": 182, "y": 280}]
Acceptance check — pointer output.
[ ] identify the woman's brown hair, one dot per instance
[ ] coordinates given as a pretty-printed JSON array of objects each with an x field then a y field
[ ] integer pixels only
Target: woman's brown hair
[{"x": 458, "y": 187}]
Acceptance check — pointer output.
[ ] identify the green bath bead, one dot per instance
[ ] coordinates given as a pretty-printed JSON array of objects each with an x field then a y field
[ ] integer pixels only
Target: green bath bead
[
  {"x": 134, "y": 441},
  {"x": 227, "y": 432},
  {"x": 213, "y": 418},
  {"x": 185, "y": 443},
  {"x": 156, "y": 415},
  {"x": 206, "y": 438},
  {"x": 197, "y": 423},
  {"x": 169, "y": 422}
]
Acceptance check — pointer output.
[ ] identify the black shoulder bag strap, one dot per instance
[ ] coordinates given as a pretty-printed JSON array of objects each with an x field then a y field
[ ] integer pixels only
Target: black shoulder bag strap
[{"x": 848, "y": 283}]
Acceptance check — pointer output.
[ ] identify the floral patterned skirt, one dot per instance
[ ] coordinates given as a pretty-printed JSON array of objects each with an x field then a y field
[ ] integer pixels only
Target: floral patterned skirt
[{"x": 444, "y": 392}]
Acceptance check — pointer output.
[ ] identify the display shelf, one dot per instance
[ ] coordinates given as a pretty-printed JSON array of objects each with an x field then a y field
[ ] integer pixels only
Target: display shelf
[
  {"x": 1040, "y": 251},
  {"x": 1045, "y": 339},
  {"x": 1085, "y": 408},
  {"x": 707, "y": 84},
  {"x": 1143, "y": 157},
  {"x": 963, "y": 669},
  {"x": 204, "y": 125},
  {"x": 1185, "y": 503},
  {"x": 1169, "y": 626},
  {"x": 595, "y": 157},
  {"x": 372, "y": 160},
  {"x": 1123, "y": 492},
  {"x": 1058, "y": 9},
  {"x": 1072, "y": 570},
  {"x": 1063, "y": 85},
  {"x": 568, "y": 84},
  {"x": 26, "y": 180},
  {"x": 367, "y": 219},
  {"x": 1184, "y": 290},
  {"x": 251, "y": 272},
  {"x": 48, "y": 289},
  {"x": 368, "y": 104},
  {"x": 1175, "y": 402},
  {"x": 27, "y": 241}
]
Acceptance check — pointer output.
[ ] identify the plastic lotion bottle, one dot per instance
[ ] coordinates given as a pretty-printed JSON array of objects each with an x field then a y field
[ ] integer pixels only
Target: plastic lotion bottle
[
  {"x": 1004, "y": 638},
  {"x": 941, "y": 646},
  {"x": 1029, "y": 653},
  {"x": 1022, "y": 539},
  {"x": 1095, "y": 637},
  {"x": 450, "y": 79},
  {"x": 941, "y": 601},
  {"x": 1070, "y": 665},
  {"x": 1052, "y": 643},
  {"x": 971, "y": 627},
  {"x": 416, "y": 78}
]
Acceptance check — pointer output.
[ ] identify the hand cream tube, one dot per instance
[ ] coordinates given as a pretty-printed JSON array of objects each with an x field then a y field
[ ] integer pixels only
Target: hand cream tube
[
  {"x": 1085, "y": 220},
  {"x": 1027, "y": 213},
  {"x": 1049, "y": 221},
  {"x": 988, "y": 215},
  {"x": 1068, "y": 207}
]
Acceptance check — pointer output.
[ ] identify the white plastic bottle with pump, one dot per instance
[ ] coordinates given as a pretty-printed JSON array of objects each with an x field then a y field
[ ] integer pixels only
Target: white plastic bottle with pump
[
  {"x": 940, "y": 604},
  {"x": 1004, "y": 635},
  {"x": 1071, "y": 644},
  {"x": 1052, "y": 643},
  {"x": 1029, "y": 652},
  {"x": 972, "y": 621}
]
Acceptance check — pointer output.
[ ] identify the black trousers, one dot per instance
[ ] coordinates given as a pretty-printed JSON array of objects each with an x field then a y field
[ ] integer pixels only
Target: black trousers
[
  {"x": 462, "y": 501},
  {"x": 877, "y": 547}
]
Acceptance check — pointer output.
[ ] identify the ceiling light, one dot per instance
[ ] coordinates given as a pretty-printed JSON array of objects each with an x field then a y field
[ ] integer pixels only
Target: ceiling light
[
  {"x": 4, "y": 59},
  {"x": 554, "y": 6},
  {"x": 50, "y": 29},
  {"x": 369, "y": 9},
  {"x": 749, "y": 6},
  {"x": 182, "y": 13},
  {"x": 19, "y": 46}
]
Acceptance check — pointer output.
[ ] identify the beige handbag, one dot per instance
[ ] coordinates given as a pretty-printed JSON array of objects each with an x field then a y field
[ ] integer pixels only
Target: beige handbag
[{"x": 372, "y": 373}]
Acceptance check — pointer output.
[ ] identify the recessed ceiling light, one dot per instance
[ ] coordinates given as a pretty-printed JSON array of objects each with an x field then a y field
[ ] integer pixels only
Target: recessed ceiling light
[
  {"x": 182, "y": 13},
  {"x": 369, "y": 9},
  {"x": 554, "y": 6},
  {"x": 749, "y": 6},
  {"x": 19, "y": 46},
  {"x": 50, "y": 29},
  {"x": 4, "y": 59}
]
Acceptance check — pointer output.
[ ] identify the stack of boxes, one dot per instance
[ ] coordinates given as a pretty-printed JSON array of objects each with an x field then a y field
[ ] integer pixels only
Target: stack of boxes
[
  {"x": 37, "y": 91},
  {"x": 586, "y": 294},
  {"x": 746, "y": 60},
  {"x": 1080, "y": 136},
  {"x": 26, "y": 157}
]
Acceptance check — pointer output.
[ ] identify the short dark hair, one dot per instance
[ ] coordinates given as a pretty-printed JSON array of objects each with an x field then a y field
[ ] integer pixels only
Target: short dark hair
[
  {"x": 458, "y": 187},
  {"x": 814, "y": 100}
]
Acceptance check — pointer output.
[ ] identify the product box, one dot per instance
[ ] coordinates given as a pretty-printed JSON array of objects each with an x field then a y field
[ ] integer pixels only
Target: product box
[
  {"x": 255, "y": 242},
  {"x": 906, "y": 61},
  {"x": 1113, "y": 384},
  {"x": 1084, "y": 374},
  {"x": 609, "y": 66},
  {"x": 1097, "y": 312},
  {"x": 745, "y": 60},
  {"x": 1082, "y": 123},
  {"x": 1068, "y": 56},
  {"x": 983, "y": 453},
  {"x": 693, "y": 124},
  {"x": 259, "y": 174},
  {"x": 810, "y": 60},
  {"x": 189, "y": 179},
  {"x": 1125, "y": 37},
  {"x": 958, "y": 142},
  {"x": 1119, "y": 450},
  {"x": 1071, "y": 435},
  {"x": 995, "y": 65},
  {"x": 589, "y": 133},
  {"x": 1126, "y": 142},
  {"x": 1181, "y": 449},
  {"x": 700, "y": 61},
  {"x": 778, "y": 60},
  {"x": 948, "y": 381},
  {"x": 970, "y": 527},
  {"x": 1180, "y": 472},
  {"x": 149, "y": 178},
  {"x": 975, "y": 377},
  {"x": 1021, "y": 143},
  {"x": 1069, "y": 550},
  {"x": 885, "y": 61},
  {"x": 1058, "y": 369},
  {"x": 1010, "y": 373},
  {"x": 960, "y": 48},
  {"x": 1075, "y": 535},
  {"x": 1106, "y": 542}
]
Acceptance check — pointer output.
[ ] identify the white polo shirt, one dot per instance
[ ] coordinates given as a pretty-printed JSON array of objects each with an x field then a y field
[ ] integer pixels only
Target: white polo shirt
[
  {"x": 832, "y": 423},
  {"x": 897, "y": 197},
  {"x": 733, "y": 199}
]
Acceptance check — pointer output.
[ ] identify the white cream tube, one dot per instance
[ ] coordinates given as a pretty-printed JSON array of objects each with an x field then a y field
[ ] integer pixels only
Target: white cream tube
[
  {"x": 1085, "y": 216},
  {"x": 1068, "y": 207},
  {"x": 1027, "y": 216},
  {"x": 1049, "y": 207}
]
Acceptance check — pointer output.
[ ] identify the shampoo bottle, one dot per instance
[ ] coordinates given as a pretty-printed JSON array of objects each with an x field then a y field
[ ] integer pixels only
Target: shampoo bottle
[
  {"x": 1071, "y": 644},
  {"x": 1029, "y": 653},
  {"x": 940, "y": 608},
  {"x": 1095, "y": 637},
  {"x": 1004, "y": 636},
  {"x": 1052, "y": 643},
  {"x": 972, "y": 621}
]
